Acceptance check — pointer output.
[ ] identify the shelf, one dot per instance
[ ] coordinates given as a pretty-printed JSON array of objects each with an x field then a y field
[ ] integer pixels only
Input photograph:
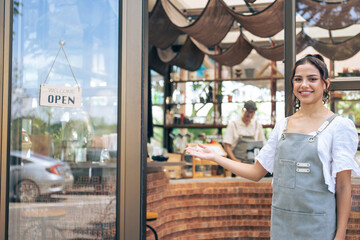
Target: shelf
[
  {"x": 217, "y": 103},
  {"x": 345, "y": 84},
  {"x": 164, "y": 164},
  {"x": 191, "y": 126},
  {"x": 229, "y": 79},
  {"x": 202, "y": 126},
  {"x": 197, "y": 173},
  {"x": 346, "y": 100},
  {"x": 204, "y": 162}
]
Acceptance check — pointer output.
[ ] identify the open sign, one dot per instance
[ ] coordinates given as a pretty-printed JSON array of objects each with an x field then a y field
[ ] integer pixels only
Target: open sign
[{"x": 60, "y": 96}]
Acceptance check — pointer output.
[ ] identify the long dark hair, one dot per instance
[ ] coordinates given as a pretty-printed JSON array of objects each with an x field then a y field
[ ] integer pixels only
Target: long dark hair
[{"x": 317, "y": 61}]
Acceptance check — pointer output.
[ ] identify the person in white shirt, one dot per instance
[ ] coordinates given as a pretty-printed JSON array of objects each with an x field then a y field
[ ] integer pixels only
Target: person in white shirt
[
  {"x": 239, "y": 132},
  {"x": 311, "y": 155}
]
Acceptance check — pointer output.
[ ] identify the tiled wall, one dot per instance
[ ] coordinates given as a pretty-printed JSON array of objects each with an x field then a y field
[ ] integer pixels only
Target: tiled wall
[{"x": 219, "y": 210}]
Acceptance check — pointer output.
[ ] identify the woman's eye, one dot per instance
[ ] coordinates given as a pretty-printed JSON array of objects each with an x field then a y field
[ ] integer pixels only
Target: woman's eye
[
  {"x": 313, "y": 79},
  {"x": 297, "y": 79}
]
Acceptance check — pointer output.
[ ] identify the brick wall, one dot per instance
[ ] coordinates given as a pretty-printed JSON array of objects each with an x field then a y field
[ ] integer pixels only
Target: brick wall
[{"x": 219, "y": 210}]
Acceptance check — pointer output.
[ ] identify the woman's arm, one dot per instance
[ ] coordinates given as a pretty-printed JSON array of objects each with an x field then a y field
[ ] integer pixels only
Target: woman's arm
[
  {"x": 343, "y": 202},
  {"x": 250, "y": 171}
]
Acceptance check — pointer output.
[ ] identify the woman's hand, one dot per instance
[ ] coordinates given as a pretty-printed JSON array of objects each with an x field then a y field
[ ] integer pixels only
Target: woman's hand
[
  {"x": 250, "y": 171},
  {"x": 202, "y": 152}
]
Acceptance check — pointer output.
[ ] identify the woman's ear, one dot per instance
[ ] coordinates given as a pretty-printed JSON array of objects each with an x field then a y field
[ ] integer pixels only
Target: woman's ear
[{"x": 327, "y": 85}]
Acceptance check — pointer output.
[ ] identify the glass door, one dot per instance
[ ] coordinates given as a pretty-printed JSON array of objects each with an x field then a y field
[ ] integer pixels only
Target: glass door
[{"x": 62, "y": 160}]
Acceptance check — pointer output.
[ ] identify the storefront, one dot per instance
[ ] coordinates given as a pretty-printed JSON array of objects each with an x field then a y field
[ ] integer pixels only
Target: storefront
[
  {"x": 67, "y": 171},
  {"x": 206, "y": 64},
  {"x": 82, "y": 169}
]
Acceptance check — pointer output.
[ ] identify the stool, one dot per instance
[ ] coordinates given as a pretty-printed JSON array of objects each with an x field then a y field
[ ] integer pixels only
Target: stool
[
  {"x": 152, "y": 216},
  {"x": 43, "y": 217}
]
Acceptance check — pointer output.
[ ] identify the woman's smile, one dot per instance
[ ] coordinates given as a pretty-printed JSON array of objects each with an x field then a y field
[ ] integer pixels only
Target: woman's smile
[{"x": 305, "y": 93}]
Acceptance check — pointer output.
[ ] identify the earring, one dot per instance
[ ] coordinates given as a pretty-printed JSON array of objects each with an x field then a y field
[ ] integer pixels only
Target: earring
[
  {"x": 297, "y": 103},
  {"x": 325, "y": 97}
]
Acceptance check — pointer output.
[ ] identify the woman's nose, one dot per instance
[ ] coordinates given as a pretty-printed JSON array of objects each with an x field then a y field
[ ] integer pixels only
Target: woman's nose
[{"x": 305, "y": 83}]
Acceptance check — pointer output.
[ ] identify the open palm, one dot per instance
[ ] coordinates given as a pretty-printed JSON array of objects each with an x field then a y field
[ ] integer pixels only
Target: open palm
[{"x": 202, "y": 152}]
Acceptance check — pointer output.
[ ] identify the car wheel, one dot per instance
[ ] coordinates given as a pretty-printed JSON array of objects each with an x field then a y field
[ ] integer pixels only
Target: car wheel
[{"x": 27, "y": 191}]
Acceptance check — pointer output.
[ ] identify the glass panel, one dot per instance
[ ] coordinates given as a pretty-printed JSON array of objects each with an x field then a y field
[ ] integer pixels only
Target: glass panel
[
  {"x": 328, "y": 28},
  {"x": 63, "y": 160},
  {"x": 347, "y": 104},
  {"x": 331, "y": 28}
]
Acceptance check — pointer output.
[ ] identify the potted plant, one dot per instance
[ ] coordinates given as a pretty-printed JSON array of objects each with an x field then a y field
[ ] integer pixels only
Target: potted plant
[
  {"x": 356, "y": 72},
  {"x": 345, "y": 72},
  {"x": 219, "y": 95}
]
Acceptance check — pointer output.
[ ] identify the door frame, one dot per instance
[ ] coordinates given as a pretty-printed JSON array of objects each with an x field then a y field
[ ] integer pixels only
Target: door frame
[
  {"x": 5, "y": 70},
  {"x": 132, "y": 116}
]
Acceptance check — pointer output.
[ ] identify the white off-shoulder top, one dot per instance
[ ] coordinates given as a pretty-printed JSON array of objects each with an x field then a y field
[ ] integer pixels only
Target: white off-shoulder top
[{"x": 337, "y": 146}]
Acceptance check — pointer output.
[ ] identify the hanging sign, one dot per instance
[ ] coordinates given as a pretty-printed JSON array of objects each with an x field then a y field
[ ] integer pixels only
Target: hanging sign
[{"x": 60, "y": 96}]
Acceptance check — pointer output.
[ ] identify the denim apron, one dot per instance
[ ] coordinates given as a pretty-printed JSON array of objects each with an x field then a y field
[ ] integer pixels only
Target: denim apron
[
  {"x": 240, "y": 149},
  {"x": 302, "y": 205}
]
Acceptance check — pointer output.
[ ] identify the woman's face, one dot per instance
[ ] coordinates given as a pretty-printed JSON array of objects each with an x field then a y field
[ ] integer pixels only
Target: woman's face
[{"x": 308, "y": 85}]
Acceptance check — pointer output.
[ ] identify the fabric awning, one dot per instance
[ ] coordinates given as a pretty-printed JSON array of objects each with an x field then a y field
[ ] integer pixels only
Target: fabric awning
[
  {"x": 328, "y": 15},
  {"x": 209, "y": 28},
  {"x": 265, "y": 23},
  {"x": 216, "y": 19},
  {"x": 189, "y": 56},
  {"x": 233, "y": 55},
  {"x": 162, "y": 32}
]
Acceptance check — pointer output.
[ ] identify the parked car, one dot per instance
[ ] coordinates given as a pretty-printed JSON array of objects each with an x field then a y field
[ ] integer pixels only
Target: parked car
[{"x": 33, "y": 175}]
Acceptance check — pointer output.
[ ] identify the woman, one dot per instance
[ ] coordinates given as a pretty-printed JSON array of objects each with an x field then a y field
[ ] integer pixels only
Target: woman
[{"x": 311, "y": 155}]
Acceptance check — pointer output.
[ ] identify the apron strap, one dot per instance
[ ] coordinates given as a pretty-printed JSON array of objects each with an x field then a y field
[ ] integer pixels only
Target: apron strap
[
  {"x": 285, "y": 127},
  {"x": 322, "y": 127},
  {"x": 286, "y": 123}
]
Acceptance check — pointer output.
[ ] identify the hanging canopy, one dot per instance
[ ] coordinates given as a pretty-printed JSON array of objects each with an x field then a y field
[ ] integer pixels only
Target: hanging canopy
[
  {"x": 275, "y": 53},
  {"x": 216, "y": 19},
  {"x": 189, "y": 56},
  {"x": 265, "y": 23},
  {"x": 233, "y": 55},
  {"x": 209, "y": 28},
  {"x": 162, "y": 32},
  {"x": 329, "y": 15},
  {"x": 156, "y": 64},
  {"x": 337, "y": 51}
]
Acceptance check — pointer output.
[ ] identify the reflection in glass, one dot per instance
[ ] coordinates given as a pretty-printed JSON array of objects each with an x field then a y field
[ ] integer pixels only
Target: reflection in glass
[
  {"x": 63, "y": 160},
  {"x": 332, "y": 29}
]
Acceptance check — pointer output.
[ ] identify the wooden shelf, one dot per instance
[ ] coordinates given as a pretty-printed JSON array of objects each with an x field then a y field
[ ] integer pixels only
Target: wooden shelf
[
  {"x": 192, "y": 126},
  {"x": 345, "y": 84},
  {"x": 202, "y": 126},
  {"x": 197, "y": 161},
  {"x": 229, "y": 79},
  {"x": 204, "y": 162},
  {"x": 164, "y": 164},
  {"x": 218, "y": 103}
]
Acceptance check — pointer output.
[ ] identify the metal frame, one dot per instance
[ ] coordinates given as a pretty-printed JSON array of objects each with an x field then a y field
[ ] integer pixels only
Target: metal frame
[
  {"x": 290, "y": 51},
  {"x": 132, "y": 129},
  {"x": 5, "y": 70}
]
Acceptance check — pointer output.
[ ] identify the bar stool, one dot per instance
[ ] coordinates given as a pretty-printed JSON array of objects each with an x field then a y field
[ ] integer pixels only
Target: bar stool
[
  {"x": 152, "y": 216},
  {"x": 43, "y": 217}
]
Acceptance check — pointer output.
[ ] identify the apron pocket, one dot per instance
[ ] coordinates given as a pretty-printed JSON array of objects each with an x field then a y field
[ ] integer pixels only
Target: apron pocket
[
  {"x": 299, "y": 225},
  {"x": 286, "y": 174}
]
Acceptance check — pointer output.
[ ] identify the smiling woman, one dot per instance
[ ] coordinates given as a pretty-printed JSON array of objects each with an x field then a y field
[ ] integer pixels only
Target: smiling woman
[{"x": 306, "y": 153}]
